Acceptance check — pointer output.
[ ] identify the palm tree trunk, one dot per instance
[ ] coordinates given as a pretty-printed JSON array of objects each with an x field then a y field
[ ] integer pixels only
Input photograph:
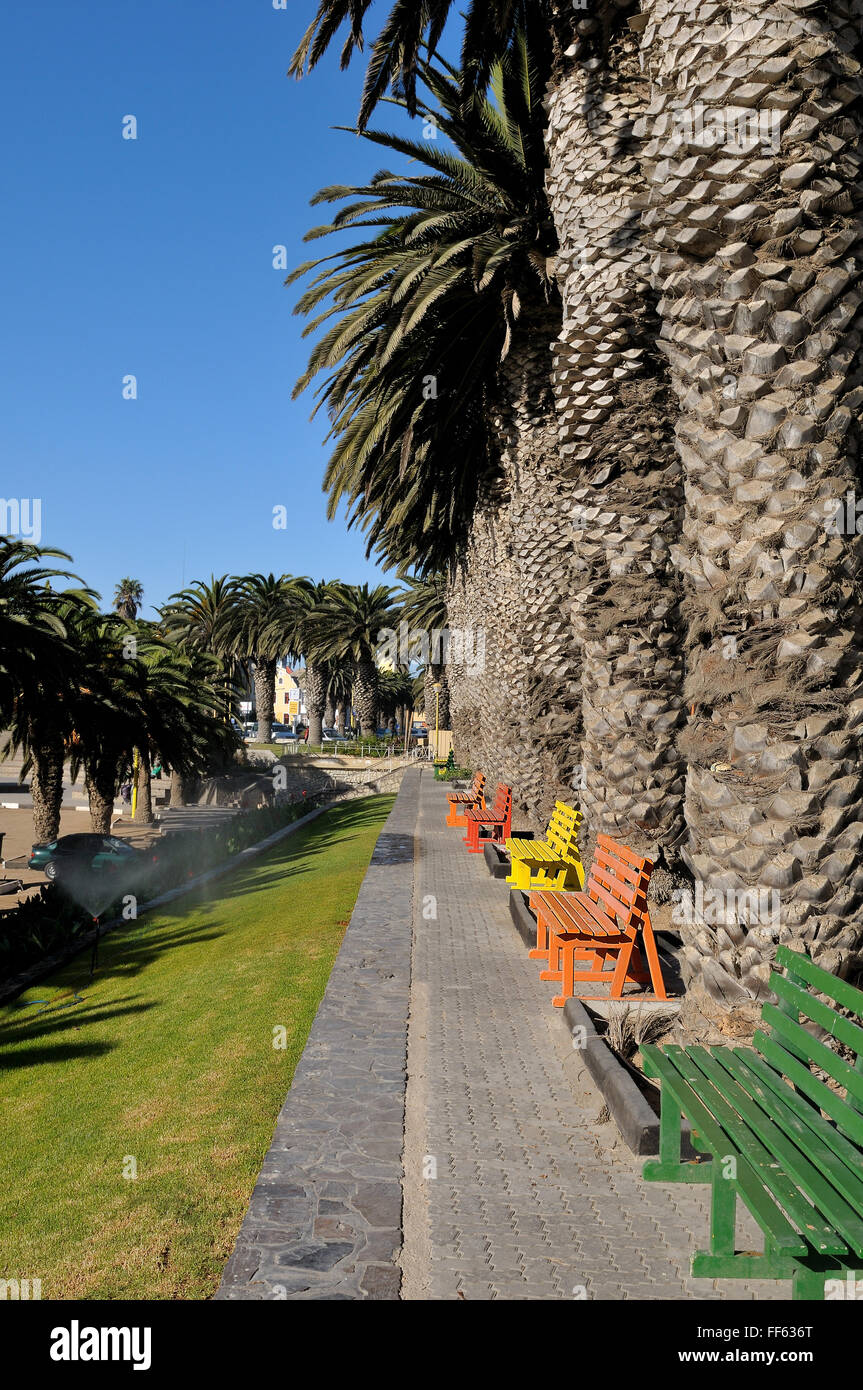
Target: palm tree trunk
[
  {"x": 101, "y": 783},
  {"x": 265, "y": 697},
  {"x": 178, "y": 788},
  {"x": 144, "y": 799},
  {"x": 46, "y": 786},
  {"x": 518, "y": 577},
  {"x": 329, "y": 715},
  {"x": 366, "y": 696},
  {"x": 464, "y": 687},
  {"x": 760, "y": 275},
  {"x": 316, "y": 701},
  {"x": 340, "y": 717},
  {"x": 617, "y": 430}
]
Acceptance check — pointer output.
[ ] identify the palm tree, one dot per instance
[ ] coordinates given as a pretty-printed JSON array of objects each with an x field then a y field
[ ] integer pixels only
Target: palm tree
[
  {"x": 260, "y": 627},
  {"x": 340, "y": 684},
  {"x": 769, "y": 271},
  {"x": 317, "y": 674},
  {"x": 614, "y": 412},
  {"x": 182, "y": 708},
  {"x": 38, "y": 670},
  {"x": 441, "y": 351},
  {"x": 128, "y": 595},
  {"x": 196, "y": 617},
  {"x": 349, "y": 623},
  {"x": 425, "y": 612}
]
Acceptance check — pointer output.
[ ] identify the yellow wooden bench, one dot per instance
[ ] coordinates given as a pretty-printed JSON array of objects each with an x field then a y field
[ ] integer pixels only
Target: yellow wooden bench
[{"x": 553, "y": 863}]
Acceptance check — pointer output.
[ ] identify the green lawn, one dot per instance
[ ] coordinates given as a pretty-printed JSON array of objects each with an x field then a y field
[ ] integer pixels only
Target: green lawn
[{"x": 166, "y": 1058}]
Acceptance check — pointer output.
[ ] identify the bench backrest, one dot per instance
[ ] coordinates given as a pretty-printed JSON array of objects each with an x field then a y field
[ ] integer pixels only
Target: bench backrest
[
  {"x": 477, "y": 786},
  {"x": 562, "y": 832},
  {"x": 618, "y": 882},
  {"x": 792, "y": 1049},
  {"x": 502, "y": 801}
]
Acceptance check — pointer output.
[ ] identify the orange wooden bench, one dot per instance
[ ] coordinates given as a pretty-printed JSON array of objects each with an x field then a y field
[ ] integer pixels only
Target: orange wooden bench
[
  {"x": 460, "y": 802},
  {"x": 610, "y": 920},
  {"x": 490, "y": 826}
]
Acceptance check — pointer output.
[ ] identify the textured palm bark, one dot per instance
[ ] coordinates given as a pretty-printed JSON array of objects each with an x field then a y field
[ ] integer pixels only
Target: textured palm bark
[
  {"x": 759, "y": 260},
  {"x": 265, "y": 697},
  {"x": 617, "y": 434},
  {"x": 46, "y": 785},
  {"x": 144, "y": 798},
  {"x": 316, "y": 700},
  {"x": 101, "y": 784},
  {"x": 511, "y": 680},
  {"x": 178, "y": 788},
  {"x": 537, "y": 734},
  {"x": 464, "y": 693},
  {"x": 366, "y": 696}
]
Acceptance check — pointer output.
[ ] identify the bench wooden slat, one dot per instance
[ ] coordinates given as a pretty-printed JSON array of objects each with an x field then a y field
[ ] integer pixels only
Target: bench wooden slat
[
  {"x": 830, "y": 1223},
  {"x": 838, "y": 1027},
  {"x": 760, "y": 1203},
  {"x": 841, "y": 1162},
  {"x": 620, "y": 868},
  {"x": 803, "y": 1045},
  {"x": 613, "y": 847},
  {"x": 848, "y": 1120},
  {"x": 582, "y": 917},
  {"x": 822, "y": 980}
]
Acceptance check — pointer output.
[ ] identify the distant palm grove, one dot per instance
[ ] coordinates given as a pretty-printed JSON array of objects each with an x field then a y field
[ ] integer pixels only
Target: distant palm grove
[
  {"x": 592, "y": 363},
  {"x": 106, "y": 692}
]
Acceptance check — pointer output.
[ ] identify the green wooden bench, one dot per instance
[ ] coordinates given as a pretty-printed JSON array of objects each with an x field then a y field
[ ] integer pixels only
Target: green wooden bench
[{"x": 781, "y": 1139}]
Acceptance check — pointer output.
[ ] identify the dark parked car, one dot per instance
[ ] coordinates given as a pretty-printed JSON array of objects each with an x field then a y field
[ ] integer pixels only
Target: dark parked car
[{"x": 101, "y": 853}]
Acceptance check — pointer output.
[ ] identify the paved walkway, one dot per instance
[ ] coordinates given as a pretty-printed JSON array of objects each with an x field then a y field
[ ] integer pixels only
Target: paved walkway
[
  {"x": 442, "y": 1139},
  {"x": 515, "y": 1188}
]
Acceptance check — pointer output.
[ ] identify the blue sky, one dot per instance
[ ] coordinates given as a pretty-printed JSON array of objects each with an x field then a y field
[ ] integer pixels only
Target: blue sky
[{"x": 153, "y": 257}]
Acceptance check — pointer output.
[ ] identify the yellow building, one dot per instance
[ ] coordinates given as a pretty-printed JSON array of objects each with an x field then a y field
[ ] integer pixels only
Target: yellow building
[{"x": 290, "y": 701}]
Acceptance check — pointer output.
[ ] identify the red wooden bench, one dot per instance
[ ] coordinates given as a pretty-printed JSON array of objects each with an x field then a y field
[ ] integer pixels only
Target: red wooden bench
[
  {"x": 610, "y": 920},
  {"x": 460, "y": 802},
  {"x": 493, "y": 826}
]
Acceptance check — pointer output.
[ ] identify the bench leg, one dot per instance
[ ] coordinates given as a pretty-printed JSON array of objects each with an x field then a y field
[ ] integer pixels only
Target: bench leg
[
  {"x": 668, "y": 1167},
  {"x": 553, "y": 971},
  {"x": 649, "y": 943},
  {"x": 540, "y": 950},
  {"x": 723, "y": 1211}
]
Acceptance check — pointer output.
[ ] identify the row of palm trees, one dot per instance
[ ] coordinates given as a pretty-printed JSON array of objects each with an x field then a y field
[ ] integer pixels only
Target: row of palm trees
[
  {"x": 101, "y": 691},
  {"x": 108, "y": 692},
  {"x": 543, "y": 352},
  {"x": 258, "y": 620}
]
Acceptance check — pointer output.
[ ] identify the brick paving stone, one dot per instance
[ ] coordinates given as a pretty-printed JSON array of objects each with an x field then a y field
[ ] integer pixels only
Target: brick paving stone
[{"x": 534, "y": 1197}]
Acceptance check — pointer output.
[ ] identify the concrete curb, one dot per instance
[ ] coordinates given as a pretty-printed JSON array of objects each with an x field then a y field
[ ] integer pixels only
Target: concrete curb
[
  {"x": 496, "y": 861},
  {"x": 629, "y": 1108},
  {"x": 46, "y": 967}
]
